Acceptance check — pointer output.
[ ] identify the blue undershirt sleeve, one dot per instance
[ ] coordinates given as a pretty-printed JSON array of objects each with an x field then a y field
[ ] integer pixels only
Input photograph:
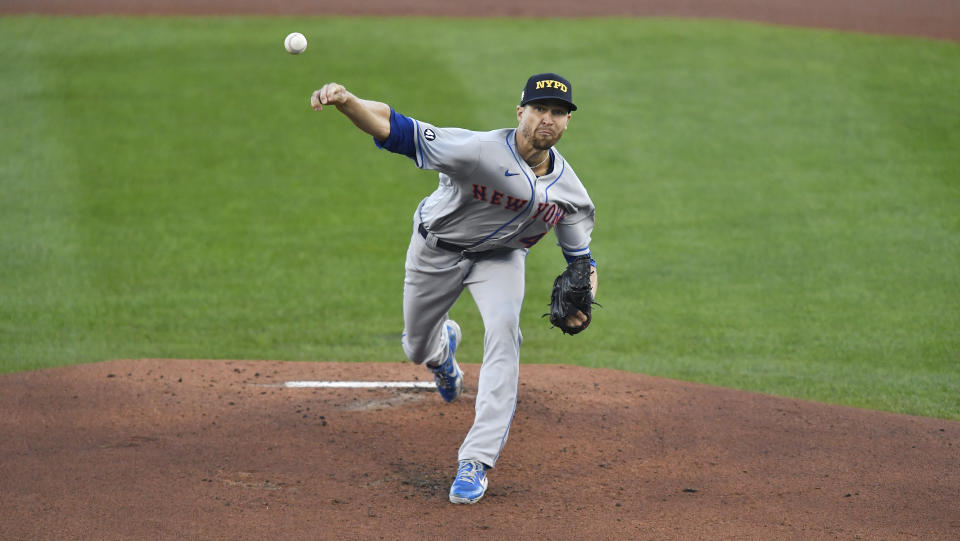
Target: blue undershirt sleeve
[
  {"x": 401, "y": 138},
  {"x": 570, "y": 258}
]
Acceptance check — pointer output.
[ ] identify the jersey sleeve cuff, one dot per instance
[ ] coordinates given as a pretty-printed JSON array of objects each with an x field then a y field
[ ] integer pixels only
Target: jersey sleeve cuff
[
  {"x": 401, "y": 138},
  {"x": 570, "y": 256}
]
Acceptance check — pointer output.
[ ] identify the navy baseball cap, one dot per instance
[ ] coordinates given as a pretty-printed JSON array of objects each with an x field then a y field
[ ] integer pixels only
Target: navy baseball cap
[{"x": 547, "y": 86}]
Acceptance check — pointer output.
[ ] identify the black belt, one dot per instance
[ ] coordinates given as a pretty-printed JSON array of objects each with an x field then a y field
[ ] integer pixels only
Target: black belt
[
  {"x": 442, "y": 244},
  {"x": 464, "y": 254}
]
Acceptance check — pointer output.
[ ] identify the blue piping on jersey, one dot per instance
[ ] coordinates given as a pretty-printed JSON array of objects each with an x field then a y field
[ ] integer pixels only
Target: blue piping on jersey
[
  {"x": 419, "y": 160},
  {"x": 532, "y": 186},
  {"x": 420, "y": 211},
  {"x": 533, "y": 193},
  {"x": 563, "y": 168},
  {"x": 520, "y": 232}
]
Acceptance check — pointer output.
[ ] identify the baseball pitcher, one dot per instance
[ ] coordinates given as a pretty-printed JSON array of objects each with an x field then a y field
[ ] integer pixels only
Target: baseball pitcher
[{"x": 499, "y": 193}]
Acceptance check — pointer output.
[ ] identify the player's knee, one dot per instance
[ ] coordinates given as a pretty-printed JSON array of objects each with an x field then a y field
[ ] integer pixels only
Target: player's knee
[{"x": 417, "y": 350}]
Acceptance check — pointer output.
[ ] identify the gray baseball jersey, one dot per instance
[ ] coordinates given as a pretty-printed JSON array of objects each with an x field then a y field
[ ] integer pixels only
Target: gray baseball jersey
[
  {"x": 490, "y": 201},
  {"x": 488, "y": 196}
]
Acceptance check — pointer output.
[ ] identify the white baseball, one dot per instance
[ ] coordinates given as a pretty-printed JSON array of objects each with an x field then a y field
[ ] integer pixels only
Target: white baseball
[{"x": 295, "y": 43}]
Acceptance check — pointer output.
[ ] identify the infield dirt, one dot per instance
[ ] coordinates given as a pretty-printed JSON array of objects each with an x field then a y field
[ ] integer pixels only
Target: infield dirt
[{"x": 178, "y": 449}]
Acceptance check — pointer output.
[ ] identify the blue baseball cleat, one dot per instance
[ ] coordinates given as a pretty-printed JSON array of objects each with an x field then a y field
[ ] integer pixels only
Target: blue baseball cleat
[
  {"x": 471, "y": 482},
  {"x": 448, "y": 375}
]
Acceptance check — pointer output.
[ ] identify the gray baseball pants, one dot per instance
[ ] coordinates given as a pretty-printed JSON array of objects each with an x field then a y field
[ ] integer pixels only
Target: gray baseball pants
[{"x": 433, "y": 281}]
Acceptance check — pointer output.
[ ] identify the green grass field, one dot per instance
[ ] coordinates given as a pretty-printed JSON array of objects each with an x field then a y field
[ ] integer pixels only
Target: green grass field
[{"x": 778, "y": 209}]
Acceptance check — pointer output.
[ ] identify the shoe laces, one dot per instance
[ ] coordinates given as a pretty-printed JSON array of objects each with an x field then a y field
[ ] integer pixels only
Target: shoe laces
[
  {"x": 446, "y": 372},
  {"x": 470, "y": 470}
]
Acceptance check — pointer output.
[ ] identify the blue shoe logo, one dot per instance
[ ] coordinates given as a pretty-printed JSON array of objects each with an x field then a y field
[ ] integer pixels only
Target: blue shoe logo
[{"x": 507, "y": 173}]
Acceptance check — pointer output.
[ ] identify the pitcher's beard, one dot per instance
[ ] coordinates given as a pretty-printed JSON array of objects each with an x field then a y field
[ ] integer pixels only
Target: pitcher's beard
[
  {"x": 540, "y": 142},
  {"x": 543, "y": 143}
]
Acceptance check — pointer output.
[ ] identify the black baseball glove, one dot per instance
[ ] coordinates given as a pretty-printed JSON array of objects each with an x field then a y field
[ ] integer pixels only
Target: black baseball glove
[{"x": 572, "y": 292}]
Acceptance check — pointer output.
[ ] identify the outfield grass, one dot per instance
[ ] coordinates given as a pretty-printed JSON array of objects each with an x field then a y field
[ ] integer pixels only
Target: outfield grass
[{"x": 778, "y": 209}]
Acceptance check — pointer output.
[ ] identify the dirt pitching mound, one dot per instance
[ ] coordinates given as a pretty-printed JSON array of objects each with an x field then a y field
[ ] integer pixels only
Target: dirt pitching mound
[{"x": 161, "y": 449}]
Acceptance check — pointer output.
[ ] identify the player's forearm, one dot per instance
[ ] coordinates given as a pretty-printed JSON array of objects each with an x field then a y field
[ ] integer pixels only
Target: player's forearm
[{"x": 372, "y": 117}]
